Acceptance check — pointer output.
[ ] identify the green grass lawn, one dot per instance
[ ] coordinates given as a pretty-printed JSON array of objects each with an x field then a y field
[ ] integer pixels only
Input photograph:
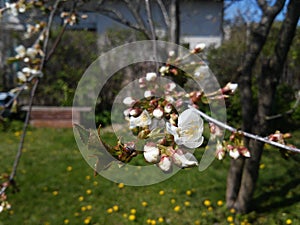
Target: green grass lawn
[{"x": 58, "y": 187}]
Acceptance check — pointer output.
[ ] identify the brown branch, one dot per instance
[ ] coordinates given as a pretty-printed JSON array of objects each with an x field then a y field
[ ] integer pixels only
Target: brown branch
[
  {"x": 118, "y": 17},
  {"x": 164, "y": 12},
  {"x": 32, "y": 93}
]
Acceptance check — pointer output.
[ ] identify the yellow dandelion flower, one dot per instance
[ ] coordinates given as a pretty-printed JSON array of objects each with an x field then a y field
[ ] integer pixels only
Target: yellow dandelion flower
[
  {"x": 88, "y": 191},
  {"x": 87, "y": 221},
  {"x": 203, "y": 214},
  {"x": 88, "y": 177},
  {"x": 188, "y": 192},
  {"x": 89, "y": 207},
  {"x": 232, "y": 210},
  {"x": 262, "y": 166},
  {"x": 173, "y": 201},
  {"x": 133, "y": 211},
  {"x": 161, "y": 192},
  {"x": 55, "y": 193},
  {"x": 76, "y": 214},
  {"x": 197, "y": 222},
  {"x": 115, "y": 208},
  {"x": 288, "y": 221},
  {"x": 230, "y": 219},
  {"x": 110, "y": 210},
  {"x": 220, "y": 203},
  {"x": 66, "y": 221},
  {"x": 81, "y": 198},
  {"x": 210, "y": 209},
  {"x": 121, "y": 185},
  {"x": 153, "y": 222},
  {"x": 187, "y": 203},
  {"x": 83, "y": 208},
  {"x": 160, "y": 220},
  {"x": 95, "y": 183},
  {"x": 125, "y": 215},
  {"x": 131, "y": 217},
  {"x": 177, "y": 208},
  {"x": 69, "y": 168},
  {"x": 207, "y": 203},
  {"x": 145, "y": 204},
  {"x": 148, "y": 221}
]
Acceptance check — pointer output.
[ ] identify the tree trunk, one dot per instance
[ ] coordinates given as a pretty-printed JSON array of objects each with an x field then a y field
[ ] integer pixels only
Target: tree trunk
[{"x": 243, "y": 175}]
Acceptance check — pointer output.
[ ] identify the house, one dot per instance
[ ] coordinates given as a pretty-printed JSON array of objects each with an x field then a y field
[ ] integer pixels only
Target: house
[{"x": 200, "y": 21}]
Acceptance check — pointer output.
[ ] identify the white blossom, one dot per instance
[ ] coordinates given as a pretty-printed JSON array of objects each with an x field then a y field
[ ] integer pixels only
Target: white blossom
[
  {"x": 158, "y": 113},
  {"x": 21, "y": 76},
  {"x": 200, "y": 47},
  {"x": 163, "y": 70},
  {"x": 151, "y": 153},
  {"x": 165, "y": 164},
  {"x": 21, "y": 51},
  {"x": 184, "y": 160},
  {"x": 151, "y": 76},
  {"x": 148, "y": 94},
  {"x": 189, "y": 130},
  {"x": 142, "y": 120},
  {"x": 31, "y": 52},
  {"x": 229, "y": 88},
  {"x": 129, "y": 101},
  {"x": 234, "y": 153},
  {"x": 171, "y": 53}
]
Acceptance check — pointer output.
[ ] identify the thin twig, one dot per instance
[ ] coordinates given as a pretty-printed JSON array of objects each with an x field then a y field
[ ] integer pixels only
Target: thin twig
[
  {"x": 152, "y": 29},
  {"x": 246, "y": 134},
  {"x": 288, "y": 112},
  {"x": 35, "y": 84}
]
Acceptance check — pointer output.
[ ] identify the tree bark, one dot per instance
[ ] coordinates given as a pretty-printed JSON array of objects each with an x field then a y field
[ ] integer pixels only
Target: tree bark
[{"x": 243, "y": 175}]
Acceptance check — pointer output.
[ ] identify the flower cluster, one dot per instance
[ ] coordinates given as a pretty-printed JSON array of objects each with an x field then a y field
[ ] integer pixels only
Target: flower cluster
[{"x": 235, "y": 147}]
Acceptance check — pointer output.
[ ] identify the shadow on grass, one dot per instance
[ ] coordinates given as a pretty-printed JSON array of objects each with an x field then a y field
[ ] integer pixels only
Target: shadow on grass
[{"x": 283, "y": 195}]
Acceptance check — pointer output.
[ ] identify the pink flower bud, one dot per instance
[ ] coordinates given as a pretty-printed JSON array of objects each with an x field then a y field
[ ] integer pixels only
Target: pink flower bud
[
  {"x": 230, "y": 88},
  {"x": 168, "y": 108},
  {"x": 199, "y": 48},
  {"x": 220, "y": 152}
]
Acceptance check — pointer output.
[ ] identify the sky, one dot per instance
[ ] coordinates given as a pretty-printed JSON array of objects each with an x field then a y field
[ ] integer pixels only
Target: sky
[{"x": 249, "y": 10}]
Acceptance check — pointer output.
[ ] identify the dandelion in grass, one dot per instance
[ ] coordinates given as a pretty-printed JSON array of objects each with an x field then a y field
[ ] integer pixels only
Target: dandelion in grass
[
  {"x": 161, "y": 192},
  {"x": 133, "y": 211},
  {"x": 145, "y": 204},
  {"x": 69, "y": 168},
  {"x": 109, "y": 210},
  {"x": 230, "y": 219},
  {"x": 160, "y": 220},
  {"x": 220, "y": 203},
  {"x": 288, "y": 221},
  {"x": 188, "y": 192},
  {"x": 207, "y": 203},
  {"x": 80, "y": 198},
  {"x": 115, "y": 208},
  {"x": 121, "y": 185},
  {"x": 177, "y": 208},
  {"x": 131, "y": 217}
]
